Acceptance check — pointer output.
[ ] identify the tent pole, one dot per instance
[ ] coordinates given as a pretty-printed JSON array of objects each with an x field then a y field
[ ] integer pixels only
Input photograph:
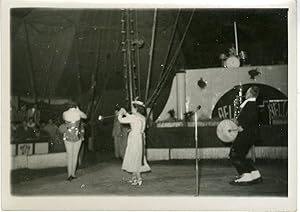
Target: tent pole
[
  {"x": 236, "y": 39},
  {"x": 151, "y": 53},
  {"x": 31, "y": 74},
  {"x": 196, "y": 153}
]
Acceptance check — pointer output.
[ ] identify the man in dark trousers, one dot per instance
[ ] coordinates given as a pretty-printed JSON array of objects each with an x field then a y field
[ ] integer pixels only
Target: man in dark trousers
[{"x": 247, "y": 122}]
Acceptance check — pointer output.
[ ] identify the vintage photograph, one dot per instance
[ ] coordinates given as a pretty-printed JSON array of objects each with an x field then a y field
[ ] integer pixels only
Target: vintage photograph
[{"x": 149, "y": 102}]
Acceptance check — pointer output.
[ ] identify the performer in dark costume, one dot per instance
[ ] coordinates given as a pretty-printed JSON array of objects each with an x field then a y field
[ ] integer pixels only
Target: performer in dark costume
[
  {"x": 247, "y": 122},
  {"x": 119, "y": 134}
]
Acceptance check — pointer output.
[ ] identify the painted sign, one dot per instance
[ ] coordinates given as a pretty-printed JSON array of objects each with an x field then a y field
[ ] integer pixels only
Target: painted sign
[
  {"x": 271, "y": 102},
  {"x": 25, "y": 149},
  {"x": 278, "y": 110},
  {"x": 226, "y": 112}
]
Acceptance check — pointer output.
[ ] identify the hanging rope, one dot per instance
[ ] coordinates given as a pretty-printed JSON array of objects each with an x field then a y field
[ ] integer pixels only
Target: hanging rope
[
  {"x": 128, "y": 58},
  {"x": 94, "y": 82},
  {"x": 151, "y": 54},
  {"x": 123, "y": 49},
  {"x": 106, "y": 75},
  {"x": 170, "y": 66},
  {"x": 77, "y": 67},
  {"x": 31, "y": 68},
  {"x": 138, "y": 55},
  {"x": 48, "y": 72},
  {"x": 160, "y": 85},
  {"x": 134, "y": 47},
  {"x": 170, "y": 44}
]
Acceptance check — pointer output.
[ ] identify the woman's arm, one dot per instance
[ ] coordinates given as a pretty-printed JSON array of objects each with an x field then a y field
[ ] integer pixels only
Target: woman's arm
[
  {"x": 82, "y": 114},
  {"x": 143, "y": 125},
  {"x": 124, "y": 120}
]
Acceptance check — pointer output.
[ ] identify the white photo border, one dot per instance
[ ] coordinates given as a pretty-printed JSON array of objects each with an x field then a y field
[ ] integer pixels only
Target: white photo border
[{"x": 10, "y": 202}]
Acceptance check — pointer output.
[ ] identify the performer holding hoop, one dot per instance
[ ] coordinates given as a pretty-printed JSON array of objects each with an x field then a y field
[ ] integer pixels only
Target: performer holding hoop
[
  {"x": 247, "y": 123},
  {"x": 134, "y": 159}
]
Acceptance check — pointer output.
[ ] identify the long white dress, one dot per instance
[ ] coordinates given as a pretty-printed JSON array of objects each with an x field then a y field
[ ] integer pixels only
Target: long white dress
[{"x": 132, "y": 161}]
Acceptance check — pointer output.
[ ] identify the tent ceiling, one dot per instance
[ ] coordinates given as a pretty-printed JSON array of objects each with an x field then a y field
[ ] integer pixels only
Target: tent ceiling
[{"x": 62, "y": 48}]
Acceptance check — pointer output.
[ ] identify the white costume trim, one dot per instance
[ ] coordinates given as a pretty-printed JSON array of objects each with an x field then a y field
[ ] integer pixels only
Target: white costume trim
[
  {"x": 252, "y": 99},
  {"x": 138, "y": 103}
]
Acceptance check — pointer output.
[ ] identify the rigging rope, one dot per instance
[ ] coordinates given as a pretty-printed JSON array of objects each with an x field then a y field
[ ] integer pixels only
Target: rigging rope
[
  {"x": 162, "y": 82},
  {"x": 170, "y": 44},
  {"x": 169, "y": 68},
  {"x": 138, "y": 55},
  {"x": 151, "y": 54}
]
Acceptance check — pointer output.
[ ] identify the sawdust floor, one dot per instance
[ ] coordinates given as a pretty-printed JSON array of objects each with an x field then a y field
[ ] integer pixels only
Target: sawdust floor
[{"x": 104, "y": 177}]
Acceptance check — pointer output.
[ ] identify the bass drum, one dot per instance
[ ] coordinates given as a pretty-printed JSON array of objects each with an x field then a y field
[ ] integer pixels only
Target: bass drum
[
  {"x": 232, "y": 62},
  {"x": 227, "y": 131}
]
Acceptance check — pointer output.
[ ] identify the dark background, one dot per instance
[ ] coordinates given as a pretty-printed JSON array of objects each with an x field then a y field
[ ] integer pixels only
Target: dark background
[
  {"x": 54, "y": 52},
  {"x": 62, "y": 44}
]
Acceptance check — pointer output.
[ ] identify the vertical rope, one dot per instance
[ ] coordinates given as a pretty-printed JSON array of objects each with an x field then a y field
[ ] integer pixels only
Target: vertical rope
[
  {"x": 129, "y": 62},
  {"x": 77, "y": 59},
  {"x": 95, "y": 71},
  {"x": 31, "y": 68},
  {"x": 160, "y": 85},
  {"x": 50, "y": 69},
  {"x": 133, "y": 55},
  {"x": 138, "y": 54},
  {"x": 151, "y": 54},
  {"x": 170, "y": 44},
  {"x": 123, "y": 43},
  {"x": 107, "y": 75}
]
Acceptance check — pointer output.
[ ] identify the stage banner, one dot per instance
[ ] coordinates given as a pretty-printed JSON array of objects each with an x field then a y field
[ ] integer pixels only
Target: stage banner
[{"x": 271, "y": 102}]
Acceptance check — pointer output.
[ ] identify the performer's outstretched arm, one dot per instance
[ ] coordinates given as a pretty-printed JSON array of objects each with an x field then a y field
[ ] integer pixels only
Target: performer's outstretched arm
[
  {"x": 82, "y": 114},
  {"x": 124, "y": 120}
]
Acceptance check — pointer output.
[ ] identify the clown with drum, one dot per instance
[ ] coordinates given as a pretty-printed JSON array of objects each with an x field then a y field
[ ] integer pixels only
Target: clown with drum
[{"x": 247, "y": 127}]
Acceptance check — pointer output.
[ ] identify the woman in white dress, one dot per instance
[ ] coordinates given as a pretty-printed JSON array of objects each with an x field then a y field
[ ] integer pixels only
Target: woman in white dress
[{"x": 134, "y": 159}]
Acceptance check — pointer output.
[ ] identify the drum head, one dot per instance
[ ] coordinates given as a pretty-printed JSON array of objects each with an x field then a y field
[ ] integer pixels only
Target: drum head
[
  {"x": 227, "y": 131},
  {"x": 232, "y": 62}
]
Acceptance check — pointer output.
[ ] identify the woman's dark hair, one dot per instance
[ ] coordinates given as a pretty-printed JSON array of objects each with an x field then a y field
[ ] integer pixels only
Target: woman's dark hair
[
  {"x": 72, "y": 105},
  {"x": 140, "y": 109}
]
